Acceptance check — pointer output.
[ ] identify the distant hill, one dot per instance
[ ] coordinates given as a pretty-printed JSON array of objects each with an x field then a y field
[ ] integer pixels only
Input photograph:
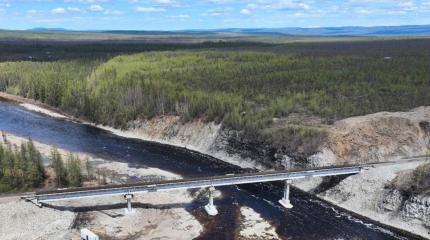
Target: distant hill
[
  {"x": 411, "y": 30},
  {"x": 49, "y": 29},
  {"x": 271, "y": 35}
]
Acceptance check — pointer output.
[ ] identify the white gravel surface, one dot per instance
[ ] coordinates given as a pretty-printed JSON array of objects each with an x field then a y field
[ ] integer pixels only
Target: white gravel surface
[
  {"x": 163, "y": 215},
  {"x": 255, "y": 227},
  {"x": 45, "y": 111},
  {"x": 22, "y": 220},
  {"x": 363, "y": 198}
]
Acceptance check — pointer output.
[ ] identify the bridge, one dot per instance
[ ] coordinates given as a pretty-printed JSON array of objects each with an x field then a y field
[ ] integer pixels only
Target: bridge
[{"x": 128, "y": 190}]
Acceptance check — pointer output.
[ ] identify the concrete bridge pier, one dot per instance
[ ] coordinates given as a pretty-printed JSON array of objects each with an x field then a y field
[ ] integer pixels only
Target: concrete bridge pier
[
  {"x": 285, "y": 201},
  {"x": 128, "y": 198},
  {"x": 210, "y": 208}
]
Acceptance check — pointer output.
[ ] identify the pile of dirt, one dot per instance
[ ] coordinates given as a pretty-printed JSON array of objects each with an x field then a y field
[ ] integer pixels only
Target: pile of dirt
[{"x": 380, "y": 137}]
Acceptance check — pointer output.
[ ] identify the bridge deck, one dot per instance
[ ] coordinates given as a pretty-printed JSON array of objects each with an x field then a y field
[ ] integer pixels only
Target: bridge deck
[{"x": 56, "y": 195}]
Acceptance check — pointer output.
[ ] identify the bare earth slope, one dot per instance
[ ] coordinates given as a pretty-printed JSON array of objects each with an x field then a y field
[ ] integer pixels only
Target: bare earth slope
[
  {"x": 373, "y": 138},
  {"x": 376, "y": 137},
  {"x": 380, "y": 136}
]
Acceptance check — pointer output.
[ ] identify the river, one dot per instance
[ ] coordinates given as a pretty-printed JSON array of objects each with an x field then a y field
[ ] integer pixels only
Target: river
[{"x": 310, "y": 218}]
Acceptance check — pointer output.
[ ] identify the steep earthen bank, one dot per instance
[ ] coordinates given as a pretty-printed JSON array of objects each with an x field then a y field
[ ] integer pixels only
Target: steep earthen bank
[
  {"x": 377, "y": 137},
  {"x": 372, "y": 138}
]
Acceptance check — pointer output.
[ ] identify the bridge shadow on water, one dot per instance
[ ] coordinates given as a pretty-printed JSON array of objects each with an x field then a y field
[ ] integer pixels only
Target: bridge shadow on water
[
  {"x": 310, "y": 218},
  {"x": 115, "y": 206}
]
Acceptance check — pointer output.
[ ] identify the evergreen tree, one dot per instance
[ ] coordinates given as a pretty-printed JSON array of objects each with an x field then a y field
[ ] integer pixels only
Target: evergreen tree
[
  {"x": 58, "y": 165},
  {"x": 74, "y": 171}
]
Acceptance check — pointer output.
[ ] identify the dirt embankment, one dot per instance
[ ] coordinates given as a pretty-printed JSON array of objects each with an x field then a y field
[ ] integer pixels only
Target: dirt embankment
[
  {"x": 381, "y": 136},
  {"x": 376, "y": 137},
  {"x": 381, "y": 193},
  {"x": 156, "y": 215}
]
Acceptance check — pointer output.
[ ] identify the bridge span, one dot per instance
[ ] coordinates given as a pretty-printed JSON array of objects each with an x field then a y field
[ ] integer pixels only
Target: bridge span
[{"x": 128, "y": 190}]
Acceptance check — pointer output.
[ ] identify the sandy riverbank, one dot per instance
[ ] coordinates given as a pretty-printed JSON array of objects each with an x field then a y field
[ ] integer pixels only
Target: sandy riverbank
[
  {"x": 364, "y": 194},
  {"x": 157, "y": 215},
  {"x": 196, "y": 136},
  {"x": 359, "y": 198}
]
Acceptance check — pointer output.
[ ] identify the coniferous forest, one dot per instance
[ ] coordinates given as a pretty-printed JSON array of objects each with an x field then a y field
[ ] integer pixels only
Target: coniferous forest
[
  {"x": 244, "y": 86},
  {"x": 22, "y": 168}
]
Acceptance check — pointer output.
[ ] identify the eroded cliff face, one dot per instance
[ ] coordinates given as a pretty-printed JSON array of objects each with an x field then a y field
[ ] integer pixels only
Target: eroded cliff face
[
  {"x": 376, "y": 137},
  {"x": 409, "y": 209},
  {"x": 226, "y": 144},
  {"x": 389, "y": 194},
  {"x": 373, "y": 138},
  {"x": 417, "y": 208},
  {"x": 208, "y": 138}
]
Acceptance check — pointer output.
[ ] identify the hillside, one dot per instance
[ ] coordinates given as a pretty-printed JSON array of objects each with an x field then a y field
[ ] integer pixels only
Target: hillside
[{"x": 280, "y": 97}]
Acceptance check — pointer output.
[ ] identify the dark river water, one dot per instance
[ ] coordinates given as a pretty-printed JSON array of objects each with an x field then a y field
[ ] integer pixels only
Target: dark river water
[{"x": 309, "y": 219}]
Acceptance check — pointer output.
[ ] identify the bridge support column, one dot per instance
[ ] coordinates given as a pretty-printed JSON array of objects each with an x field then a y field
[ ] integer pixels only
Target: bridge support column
[
  {"x": 210, "y": 208},
  {"x": 285, "y": 201},
  {"x": 128, "y": 198}
]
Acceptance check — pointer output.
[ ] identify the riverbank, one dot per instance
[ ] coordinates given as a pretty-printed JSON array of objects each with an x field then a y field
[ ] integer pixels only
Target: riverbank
[
  {"x": 157, "y": 215},
  {"x": 342, "y": 147},
  {"x": 169, "y": 130},
  {"x": 64, "y": 219},
  {"x": 370, "y": 198}
]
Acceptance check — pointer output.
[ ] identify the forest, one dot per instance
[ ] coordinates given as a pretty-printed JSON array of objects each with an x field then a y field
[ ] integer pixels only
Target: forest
[
  {"x": 244, "y": 89},
  {"x": 243, "y": 86},
  {"x": 22, "y": 168}
]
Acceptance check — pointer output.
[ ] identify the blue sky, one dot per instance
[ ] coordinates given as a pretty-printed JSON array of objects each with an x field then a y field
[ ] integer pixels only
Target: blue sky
[{"x": 208, "y": 14}]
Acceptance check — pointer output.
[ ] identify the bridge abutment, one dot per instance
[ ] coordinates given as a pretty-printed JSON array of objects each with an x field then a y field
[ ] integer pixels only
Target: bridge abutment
[{"x": 285, "y": 201}]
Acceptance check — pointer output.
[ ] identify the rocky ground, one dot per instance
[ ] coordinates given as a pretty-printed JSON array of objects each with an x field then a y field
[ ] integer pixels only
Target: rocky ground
[
  {"x": 377, "y": 137},
  {"x": 156, "y": 215},
  {"x": 372, "y": 138},
  {"x": 254, "y": 227},
  {"x": 373, "y": 197}
]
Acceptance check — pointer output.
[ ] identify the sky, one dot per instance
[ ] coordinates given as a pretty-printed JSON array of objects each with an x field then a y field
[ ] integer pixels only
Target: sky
[{"x": 208, "y": 14}]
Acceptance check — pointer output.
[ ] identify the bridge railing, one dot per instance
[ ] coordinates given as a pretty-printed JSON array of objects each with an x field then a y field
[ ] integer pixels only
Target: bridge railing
[{"x": 128, "y": 190}]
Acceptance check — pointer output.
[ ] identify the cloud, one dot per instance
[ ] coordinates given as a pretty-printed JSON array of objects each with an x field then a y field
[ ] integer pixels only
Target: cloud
[
  {"x": 87, "y": 1},
  {"x": 217, "y": 12},
  {"x": 113, "y": 12},
  {"x": 74, "y": 9},
  {"x": 149, "y": 9},
  {"x": 182, "y": 16},
  {"x": 59, "y": 10},
  {"x": 96, "y": 8},
  {"x": 245, "y": 11},
  {"x": 170, "y": 3}
]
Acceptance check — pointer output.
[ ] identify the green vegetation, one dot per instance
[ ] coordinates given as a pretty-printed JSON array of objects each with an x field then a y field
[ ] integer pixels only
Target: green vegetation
[
  {"x": 245, "y": 90},
  {"x": 21, "y": 167},
  {"x": 67, "y": 174},
  {"x": 415, "y": 182},
  {"x": 245, "y": 87},
  {"x": 421, "y": 177}
]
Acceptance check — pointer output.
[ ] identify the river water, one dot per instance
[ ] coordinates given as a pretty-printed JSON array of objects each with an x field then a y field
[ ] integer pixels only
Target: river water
[{"x": 309, "y": 219}]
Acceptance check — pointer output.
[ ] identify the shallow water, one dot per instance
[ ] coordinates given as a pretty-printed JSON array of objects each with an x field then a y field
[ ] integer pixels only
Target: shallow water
[{"x": 309, "y": 219}]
